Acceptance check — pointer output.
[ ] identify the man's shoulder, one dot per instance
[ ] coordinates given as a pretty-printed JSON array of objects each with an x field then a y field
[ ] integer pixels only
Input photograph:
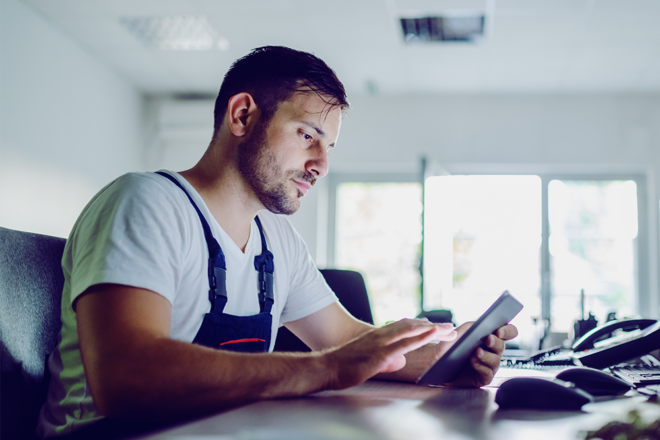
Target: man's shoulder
[
  {"x": 134, "y": 195},
  {"x": 140, "y": 180},
  {"x": 146, "y": 186}
]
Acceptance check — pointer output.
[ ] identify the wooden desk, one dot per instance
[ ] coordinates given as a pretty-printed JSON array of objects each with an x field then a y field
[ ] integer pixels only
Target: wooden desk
[{"x": 379, "y": 410}]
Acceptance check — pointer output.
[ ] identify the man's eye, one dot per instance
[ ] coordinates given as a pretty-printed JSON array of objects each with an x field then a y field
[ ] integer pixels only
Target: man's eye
[{"x": 307, "y": 137}]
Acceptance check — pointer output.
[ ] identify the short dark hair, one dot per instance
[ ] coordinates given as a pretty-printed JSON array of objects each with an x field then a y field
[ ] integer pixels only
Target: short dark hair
[{"x": 272, "y": 74}]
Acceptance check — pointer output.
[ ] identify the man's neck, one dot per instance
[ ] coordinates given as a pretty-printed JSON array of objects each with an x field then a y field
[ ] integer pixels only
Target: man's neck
[{"x": 227, "y": 196}]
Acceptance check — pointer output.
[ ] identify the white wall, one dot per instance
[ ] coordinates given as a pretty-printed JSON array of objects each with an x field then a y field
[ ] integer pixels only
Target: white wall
[
  {"x": 68, "y": 124},
  {"x": 581, "y": 130}
]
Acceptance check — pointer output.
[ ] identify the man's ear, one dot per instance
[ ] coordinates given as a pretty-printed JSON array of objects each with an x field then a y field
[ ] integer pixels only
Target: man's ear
[{"x": 242, "y": 112}]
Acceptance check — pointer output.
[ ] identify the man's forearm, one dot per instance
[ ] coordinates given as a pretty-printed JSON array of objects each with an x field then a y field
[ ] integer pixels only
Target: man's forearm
[
  {"x": 200, "y": 380},
  {"x": 134, "y": 368}
]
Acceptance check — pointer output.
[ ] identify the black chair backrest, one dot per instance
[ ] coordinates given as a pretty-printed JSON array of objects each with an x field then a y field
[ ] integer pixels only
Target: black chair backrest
[
  {"x": 31, "y": 282},
  {"x": 351, "y": 291}
]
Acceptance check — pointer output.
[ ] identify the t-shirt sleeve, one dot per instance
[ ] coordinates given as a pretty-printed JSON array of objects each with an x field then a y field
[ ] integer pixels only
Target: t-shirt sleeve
[
  {"x": 132, "y": 233},
  {"x": 308, "y": 291}
]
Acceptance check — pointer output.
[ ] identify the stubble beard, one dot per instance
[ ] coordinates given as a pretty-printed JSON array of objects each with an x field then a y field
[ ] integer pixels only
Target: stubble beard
[{"x": 261, "y": 170}]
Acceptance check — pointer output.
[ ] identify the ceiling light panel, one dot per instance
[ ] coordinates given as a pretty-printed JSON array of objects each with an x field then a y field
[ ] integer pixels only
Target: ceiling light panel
[{"x": 175, "y": 32}]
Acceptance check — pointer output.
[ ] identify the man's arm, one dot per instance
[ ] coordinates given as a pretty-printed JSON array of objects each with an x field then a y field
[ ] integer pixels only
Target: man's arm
[
  {"x": 134, "y": 368},
  {"x": 333, "y": 326}
]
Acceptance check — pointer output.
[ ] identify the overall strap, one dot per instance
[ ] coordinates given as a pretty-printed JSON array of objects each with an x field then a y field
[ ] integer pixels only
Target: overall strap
[
  {"x": 217, "y": 268},
  {"x": 266, "y": 267}
]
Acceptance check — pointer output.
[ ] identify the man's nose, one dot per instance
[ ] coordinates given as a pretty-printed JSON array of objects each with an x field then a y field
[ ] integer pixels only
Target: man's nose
[{"x": 318, "y": 165}]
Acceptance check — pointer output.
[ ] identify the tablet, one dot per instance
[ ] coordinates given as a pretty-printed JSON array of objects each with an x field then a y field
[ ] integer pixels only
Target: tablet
[{"x": 450, "y": 365}]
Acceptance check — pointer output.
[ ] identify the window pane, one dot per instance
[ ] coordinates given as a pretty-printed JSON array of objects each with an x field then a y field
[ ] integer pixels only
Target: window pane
[
  {"x": 483, "y": 236},
  {"x": 379, "y": 234},
  {"x": 593, "y": 226}
]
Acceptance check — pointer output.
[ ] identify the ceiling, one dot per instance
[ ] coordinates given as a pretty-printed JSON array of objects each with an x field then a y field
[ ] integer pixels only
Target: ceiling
[{"x": 531, "y": 46}]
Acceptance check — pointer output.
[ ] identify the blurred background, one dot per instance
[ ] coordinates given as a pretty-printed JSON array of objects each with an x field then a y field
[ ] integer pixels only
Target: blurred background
[{"x": 506, "y": 144}]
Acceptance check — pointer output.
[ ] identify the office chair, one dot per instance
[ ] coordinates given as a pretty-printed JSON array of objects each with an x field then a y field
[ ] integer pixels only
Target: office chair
[
  {"x": 31, "y": 283},
  {"x": 351, "y": 292}
]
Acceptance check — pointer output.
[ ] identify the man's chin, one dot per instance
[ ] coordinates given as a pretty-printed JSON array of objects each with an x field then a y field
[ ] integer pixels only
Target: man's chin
[{"x": 289, "y": 208}]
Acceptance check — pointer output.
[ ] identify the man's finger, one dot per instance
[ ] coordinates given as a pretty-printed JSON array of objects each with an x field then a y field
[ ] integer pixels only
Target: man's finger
[
  {"x": 409, "y": 327},
  {"x": 411, "y": 343},
  {"x": 490, "y": 360},
  {"x": 485, "y": 372},
  {"x": 507, "y": 332},
  {"x": 495, "y": 344}
]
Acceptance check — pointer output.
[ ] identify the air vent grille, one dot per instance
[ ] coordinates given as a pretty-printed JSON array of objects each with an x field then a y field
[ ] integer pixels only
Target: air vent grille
[{"x": 467, "y": 29}]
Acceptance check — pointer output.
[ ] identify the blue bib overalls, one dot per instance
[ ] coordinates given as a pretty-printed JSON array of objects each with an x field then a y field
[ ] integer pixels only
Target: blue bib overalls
[{"x": 229, "y": 332}]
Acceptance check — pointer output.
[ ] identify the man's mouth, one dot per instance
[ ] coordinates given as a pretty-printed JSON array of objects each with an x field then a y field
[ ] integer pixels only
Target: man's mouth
[{"x": 303, "y": 186}]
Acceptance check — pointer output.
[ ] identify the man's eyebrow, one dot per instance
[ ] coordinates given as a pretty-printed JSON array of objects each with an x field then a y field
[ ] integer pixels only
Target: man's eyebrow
[
  {"x": 315, "y": 127},
  {"x": 318, "y": 130}
]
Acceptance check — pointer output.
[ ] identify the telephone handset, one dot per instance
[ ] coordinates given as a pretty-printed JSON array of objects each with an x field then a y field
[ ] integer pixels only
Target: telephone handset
[
  {"x": 602, "y": 347},
  {"x": 606, "y": 331}
]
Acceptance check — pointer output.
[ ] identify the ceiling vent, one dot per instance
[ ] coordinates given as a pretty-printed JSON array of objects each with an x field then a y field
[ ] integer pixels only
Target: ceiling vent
[
  {"x": 453, "y": 28},
  {"x": 175, "y": 32}
]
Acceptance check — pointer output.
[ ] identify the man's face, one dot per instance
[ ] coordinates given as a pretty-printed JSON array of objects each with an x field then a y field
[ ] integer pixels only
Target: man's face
[{"x": 282, "y": 161}]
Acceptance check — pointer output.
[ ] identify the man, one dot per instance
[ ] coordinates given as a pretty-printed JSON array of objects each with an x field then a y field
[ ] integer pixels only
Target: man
[{"x": 176, "y": 283}]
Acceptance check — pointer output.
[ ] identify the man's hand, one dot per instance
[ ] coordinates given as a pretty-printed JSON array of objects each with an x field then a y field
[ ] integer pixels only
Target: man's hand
[
  {"x": 381, "y": 350},
  {"x": 485, "y": 361},
  {"x": 483, "y": 365}
]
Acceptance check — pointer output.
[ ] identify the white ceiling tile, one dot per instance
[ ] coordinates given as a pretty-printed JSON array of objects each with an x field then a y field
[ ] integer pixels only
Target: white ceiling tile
[
  {"x": 615, "y": 67},
  {"x": 540, "y": 6},
  {"x": 512, "y": 30},
  {"x": 439, "y": 6},
  {"x": 100, "y": 33},
  {"x": 623, "y": 6},
  {"x": 143, "y": 70},
  {"x": 69, "y": 9},
  {"x": 529, "y": 69},
  {"x": 626, "y": 27},
  {"x": 124, "y": 8}
]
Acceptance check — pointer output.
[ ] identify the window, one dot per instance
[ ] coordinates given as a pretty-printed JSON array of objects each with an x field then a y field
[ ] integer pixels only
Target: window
[
  {"x": 378, "y": 232},
  {"x": 544, "y": 238},
  {"x": 593, "y": 231}
]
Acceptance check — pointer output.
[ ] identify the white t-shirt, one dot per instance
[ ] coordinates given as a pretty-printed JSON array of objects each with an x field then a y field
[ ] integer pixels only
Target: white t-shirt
[{"x": 141, "y": 230}]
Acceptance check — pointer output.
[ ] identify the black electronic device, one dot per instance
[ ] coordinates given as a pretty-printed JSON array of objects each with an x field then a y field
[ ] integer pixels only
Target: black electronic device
[
  {"x": 607, "y": 331},
  {"x": 449, "y": 366},
  {"x": 617, "y": 342},
  {"x": 594, "y": 382},
  {"x": 642, "y": 373},
  {"x": 582, "y": 326},
  {"x": 538, "y": 393},
  {"x": 605, "y": 346}
]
